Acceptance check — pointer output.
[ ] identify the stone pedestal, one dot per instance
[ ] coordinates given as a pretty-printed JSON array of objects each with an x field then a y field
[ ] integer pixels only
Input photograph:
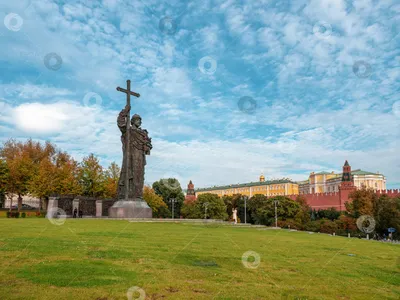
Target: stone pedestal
[
  {"x": 99, "y": 208},
  {"x": 130, "y": 209}
]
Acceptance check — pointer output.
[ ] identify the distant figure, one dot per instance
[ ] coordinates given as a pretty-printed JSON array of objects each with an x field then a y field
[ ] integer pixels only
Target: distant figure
[
  {"x": 75, "y": 212},
  {"x": 80, "y": 214},
  {"x": 234, "y": 211}
]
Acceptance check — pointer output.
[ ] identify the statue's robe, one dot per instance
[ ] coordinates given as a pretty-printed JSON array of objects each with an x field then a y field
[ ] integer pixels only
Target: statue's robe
[{"x": 140, "y": 145}]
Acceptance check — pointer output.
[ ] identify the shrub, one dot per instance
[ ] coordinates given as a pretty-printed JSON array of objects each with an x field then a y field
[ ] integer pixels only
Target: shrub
[
  {"x": 8, "y": 214},
  {"x": 330, "y": 213},
  {"x": 313, "y": 226},
  {"x": 23, "y": 215},
  {"x": 328, "y": 226},
  {"x": 16, "y": 215},
  {"x": 289, "y": 223}
]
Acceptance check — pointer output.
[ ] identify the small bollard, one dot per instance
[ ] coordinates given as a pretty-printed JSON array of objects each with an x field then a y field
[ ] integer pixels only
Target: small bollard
[
  {"x": 367, "y": 236},
  {"x": 348, "y": 235},
  {"x": 334, "y": 234}
]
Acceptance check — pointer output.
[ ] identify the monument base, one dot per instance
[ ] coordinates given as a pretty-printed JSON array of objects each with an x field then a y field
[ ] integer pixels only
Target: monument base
[{"x": 130, "y": 209}]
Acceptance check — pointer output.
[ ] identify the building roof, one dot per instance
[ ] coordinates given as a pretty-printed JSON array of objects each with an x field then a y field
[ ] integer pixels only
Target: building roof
[
  {"x": 302, "y": 182},
  {"x": 322, "y": 173},
  {"x": 361, "y": 172},
  {"x": 356, "y": 172},
  {"x": 240, "y": 185}
]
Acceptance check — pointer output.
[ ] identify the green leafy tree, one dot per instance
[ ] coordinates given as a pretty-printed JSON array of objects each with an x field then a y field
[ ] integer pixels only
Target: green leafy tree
[
  {"x": 191, "y": 211},
  {"x": 255, "y": 205},
  {"x": 156, "y": 203},
  {"x": 302, "y": 217},
  {"x": 170, "y": 188},
  {"x": 263, "y": 209},
  {"x": 330, "y": 213},
  {"x": 92, "y": 177},
  {"x": 216, "y": 208},
  {"x": 386, "y": 213}
]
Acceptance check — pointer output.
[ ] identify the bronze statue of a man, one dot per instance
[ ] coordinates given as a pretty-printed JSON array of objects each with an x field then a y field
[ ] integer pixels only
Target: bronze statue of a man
[{"x": 139, "y": 146}]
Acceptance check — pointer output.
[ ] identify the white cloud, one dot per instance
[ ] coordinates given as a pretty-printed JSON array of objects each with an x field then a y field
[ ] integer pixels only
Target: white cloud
[{"x": 173, "y": 82}]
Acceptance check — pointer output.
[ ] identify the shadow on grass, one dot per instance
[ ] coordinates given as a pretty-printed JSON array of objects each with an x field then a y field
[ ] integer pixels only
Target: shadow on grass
[{"x": 78, "y": 273}]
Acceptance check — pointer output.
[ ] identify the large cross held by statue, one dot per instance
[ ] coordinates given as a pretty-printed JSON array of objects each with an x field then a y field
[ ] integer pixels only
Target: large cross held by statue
[{"x": 128, "y": 93}]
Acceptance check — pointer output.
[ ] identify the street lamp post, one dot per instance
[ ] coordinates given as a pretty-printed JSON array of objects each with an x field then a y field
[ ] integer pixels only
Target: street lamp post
[
  {"x": 276, "y": 214},
  {"x": 173, "y": 200}
]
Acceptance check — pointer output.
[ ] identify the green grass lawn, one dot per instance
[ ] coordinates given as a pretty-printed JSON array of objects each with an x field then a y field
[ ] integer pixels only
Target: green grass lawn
[{"x": 102, "y": 259}]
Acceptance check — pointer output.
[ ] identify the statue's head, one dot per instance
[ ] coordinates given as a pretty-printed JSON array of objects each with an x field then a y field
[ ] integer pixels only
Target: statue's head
[{"x": 136, "y": 120}]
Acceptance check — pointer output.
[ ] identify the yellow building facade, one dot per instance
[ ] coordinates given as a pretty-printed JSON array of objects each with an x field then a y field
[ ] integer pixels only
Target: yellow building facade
[
  {"x": 325, "y": 182},
  {"x": 269, "y": 188}
]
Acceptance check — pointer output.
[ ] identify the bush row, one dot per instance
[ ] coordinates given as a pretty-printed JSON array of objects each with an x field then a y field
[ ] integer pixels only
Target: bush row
[{"x": 17, "y": 214}]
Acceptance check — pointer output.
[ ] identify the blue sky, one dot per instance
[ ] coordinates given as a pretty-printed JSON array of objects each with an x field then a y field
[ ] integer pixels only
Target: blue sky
[{"x": 229, "y": 89}]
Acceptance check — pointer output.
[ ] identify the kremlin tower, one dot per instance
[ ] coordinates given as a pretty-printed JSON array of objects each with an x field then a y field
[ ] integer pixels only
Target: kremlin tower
[
  {"x": 346, "y": 186},
  {"x": 190, "y": 193}
]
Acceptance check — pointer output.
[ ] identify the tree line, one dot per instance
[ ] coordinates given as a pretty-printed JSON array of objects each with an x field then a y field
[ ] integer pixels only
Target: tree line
[
  {"x": 42, "y": 170},
  {"x": 297, "y": 214}
]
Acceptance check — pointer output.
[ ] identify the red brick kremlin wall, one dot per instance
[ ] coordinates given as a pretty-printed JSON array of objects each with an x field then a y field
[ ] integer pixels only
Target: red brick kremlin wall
[{"x": 338, "y": 199}]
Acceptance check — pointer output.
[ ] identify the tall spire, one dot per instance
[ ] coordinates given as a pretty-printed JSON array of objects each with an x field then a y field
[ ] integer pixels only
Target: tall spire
[
  {"x": 190, "y": 192},
  {"x": 347, "y": 179}
]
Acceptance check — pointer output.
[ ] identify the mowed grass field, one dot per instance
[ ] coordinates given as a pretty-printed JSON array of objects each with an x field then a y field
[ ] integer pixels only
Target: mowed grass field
[{"x": 102, "y": 259}]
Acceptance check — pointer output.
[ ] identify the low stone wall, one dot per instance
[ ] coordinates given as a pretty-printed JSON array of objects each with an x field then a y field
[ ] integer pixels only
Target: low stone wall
[
  {"x": 89, "y": 206},
  {"x": 65, "y": 203},
  {"x": 86, "y": 205},
  {"x": 106, "y": 204}
]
